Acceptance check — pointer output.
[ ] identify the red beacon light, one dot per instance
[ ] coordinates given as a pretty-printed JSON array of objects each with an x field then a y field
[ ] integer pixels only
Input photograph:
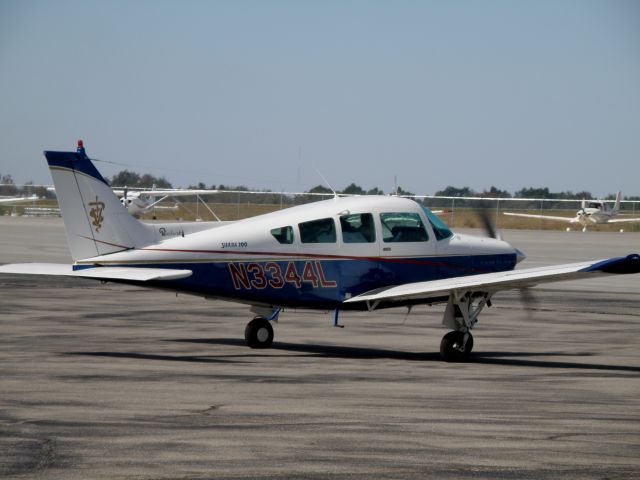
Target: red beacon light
[{"x": 80, "y": 149}]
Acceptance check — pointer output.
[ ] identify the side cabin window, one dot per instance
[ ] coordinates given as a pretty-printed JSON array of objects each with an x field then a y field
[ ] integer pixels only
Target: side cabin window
[
  {"x": 594, "y": 205},
  {"x": 283, "y": 235},
  {"x": 403, "y": 227},
  {"x": 318, "y": 231},
  {"x": 358, "y": 228}
]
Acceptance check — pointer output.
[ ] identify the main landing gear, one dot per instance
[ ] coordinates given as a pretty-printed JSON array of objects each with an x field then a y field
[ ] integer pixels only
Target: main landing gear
[
  {"x": 259, "y": 332},
  {"x": 461, "y": 315}
]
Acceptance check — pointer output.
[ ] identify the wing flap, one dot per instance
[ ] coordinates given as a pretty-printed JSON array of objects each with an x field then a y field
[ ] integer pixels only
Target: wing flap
[
  {"x": 493, "y": 282},
  {"x": 99, "y": 273}
]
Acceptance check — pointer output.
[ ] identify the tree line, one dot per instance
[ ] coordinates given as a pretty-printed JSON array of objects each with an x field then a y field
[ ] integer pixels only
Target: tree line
[{"x": 126, "y": 178}]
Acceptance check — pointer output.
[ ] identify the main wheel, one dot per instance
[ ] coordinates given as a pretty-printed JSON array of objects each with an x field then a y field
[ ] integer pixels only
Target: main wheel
[
  {"x": 259, "y": 333},
  {"x": 451, "y": 348}
]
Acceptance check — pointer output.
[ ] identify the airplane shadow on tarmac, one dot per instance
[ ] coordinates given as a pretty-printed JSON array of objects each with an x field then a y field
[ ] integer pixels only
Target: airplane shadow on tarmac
[{"x": 514, "y": 359}]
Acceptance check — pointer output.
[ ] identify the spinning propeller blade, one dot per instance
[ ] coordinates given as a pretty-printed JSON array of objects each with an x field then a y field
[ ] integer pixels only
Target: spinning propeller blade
[{"x": 487, "y": 222}]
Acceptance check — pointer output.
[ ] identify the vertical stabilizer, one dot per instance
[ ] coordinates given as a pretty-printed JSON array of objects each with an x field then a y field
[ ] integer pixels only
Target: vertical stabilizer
[
  {"x": 95, "y": 221},
  {"x": 616, "y": 206}
]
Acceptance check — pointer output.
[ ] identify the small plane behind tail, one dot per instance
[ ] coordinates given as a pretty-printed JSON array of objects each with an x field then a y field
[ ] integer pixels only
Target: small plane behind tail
[
  {"x": 346, "y": 253},
  {"x": 592, "y": 212},
  {"x": 138, "y": 202}
]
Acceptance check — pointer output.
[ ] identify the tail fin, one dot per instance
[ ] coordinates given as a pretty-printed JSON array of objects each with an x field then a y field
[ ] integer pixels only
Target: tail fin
[
  {"x": 616, "y": 206},
  {"x": 94, "y": 219}
]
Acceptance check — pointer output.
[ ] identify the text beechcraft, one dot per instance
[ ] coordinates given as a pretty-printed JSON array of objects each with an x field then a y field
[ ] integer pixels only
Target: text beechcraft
[{"x": 355, "y": 253}]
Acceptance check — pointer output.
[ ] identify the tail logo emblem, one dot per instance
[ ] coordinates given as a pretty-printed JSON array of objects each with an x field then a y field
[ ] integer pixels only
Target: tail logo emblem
[{"x": 97, "y": 208}]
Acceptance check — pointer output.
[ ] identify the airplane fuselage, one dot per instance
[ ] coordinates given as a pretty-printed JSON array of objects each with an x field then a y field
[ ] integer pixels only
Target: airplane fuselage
[
  {"x": 313, "y": 256},
  {"x": 598, "y": 213}
]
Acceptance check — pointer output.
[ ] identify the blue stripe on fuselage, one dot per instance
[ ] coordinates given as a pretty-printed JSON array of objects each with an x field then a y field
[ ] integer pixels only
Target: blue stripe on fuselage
[{"x": 318, "y": 283}]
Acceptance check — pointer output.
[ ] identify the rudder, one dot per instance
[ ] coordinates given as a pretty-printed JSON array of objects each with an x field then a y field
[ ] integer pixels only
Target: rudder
[{"x": 95, "y": 221}]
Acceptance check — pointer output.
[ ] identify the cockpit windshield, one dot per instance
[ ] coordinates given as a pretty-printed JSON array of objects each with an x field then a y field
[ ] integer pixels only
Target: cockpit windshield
[{"x": 440, "y": 229}]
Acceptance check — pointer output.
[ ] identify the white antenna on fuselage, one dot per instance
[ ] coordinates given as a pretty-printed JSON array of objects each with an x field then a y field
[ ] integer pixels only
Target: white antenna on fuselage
[{"x": 335, "y": 195}]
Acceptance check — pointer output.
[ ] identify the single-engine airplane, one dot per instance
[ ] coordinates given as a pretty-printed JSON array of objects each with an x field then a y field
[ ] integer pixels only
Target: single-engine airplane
[
  {"x": 592, "y": 212},
  {"x": 345, "y": 253},
  {"x": 138, "y": 202}
]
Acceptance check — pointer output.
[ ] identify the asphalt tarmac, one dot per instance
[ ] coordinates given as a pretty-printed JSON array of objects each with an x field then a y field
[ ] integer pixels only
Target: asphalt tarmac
[{"x": 109, "y": 381}]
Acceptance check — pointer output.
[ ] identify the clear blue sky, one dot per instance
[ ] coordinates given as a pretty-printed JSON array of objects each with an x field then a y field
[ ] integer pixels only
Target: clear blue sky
[{"x": 262, "y": 93}]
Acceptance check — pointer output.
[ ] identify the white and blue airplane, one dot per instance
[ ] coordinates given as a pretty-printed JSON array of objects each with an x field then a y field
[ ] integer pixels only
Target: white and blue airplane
[{"x": 353, "y": 253}]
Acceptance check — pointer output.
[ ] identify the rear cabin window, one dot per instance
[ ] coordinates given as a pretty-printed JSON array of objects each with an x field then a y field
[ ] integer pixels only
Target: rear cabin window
[
  {"x": 318, "y": 231},
  {"x": 403, "y": 227},
  {"x": 283, "y": 235},
  {"x": 358, "y": 228}
]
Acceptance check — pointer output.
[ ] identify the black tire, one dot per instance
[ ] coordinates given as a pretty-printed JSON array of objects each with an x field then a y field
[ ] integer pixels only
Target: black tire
[
  {"x": 259, "y": 333},
  {"x": 450, "y": 347}
]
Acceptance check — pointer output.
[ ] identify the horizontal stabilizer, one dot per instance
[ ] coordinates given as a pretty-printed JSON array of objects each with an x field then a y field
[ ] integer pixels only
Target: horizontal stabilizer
[
  {"x": 493, "y": 282},
  {"x": 99, "y": 273}
]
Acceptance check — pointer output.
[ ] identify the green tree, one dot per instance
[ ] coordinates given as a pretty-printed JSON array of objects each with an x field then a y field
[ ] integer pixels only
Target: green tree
[
  {"x": 375, "y": 191},
  {"x": 125, "y": 178},
  {"x": 354, "y": 189},
  {"x": 456, "y": 192},
  {"x": 7, "y": 185},
  {"x": 495, "y": 192}
]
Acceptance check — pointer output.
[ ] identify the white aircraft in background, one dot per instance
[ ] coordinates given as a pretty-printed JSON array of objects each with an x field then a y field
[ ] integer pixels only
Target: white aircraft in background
[
  {"x": 14, "y": 200},
  {"x": 139, "y": 201},
  {"x": 593, "y": 212},
  {"x": 345, "y": 253}
]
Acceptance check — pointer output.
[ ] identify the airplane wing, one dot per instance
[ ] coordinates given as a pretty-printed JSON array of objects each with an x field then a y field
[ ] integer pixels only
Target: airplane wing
[
  {"x": 97, "y": 273},
  {"x": 172, "y": 192},
  {"x": 545, "y": 217},
  {"x": 493, "y": 282},
  {"x": 8, "y": 201},
  {"x": 176, "y": 193},
  {"x": 622, "y": 220}
]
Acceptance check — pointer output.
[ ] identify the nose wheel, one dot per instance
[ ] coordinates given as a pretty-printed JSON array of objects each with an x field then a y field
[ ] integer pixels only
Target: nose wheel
[
  {"x": 456, "y": 346},
  {"x": 259, "y": 333}
]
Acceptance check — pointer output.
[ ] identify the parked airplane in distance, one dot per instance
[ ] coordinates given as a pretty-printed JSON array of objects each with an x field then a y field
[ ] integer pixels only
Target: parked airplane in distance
[
  {"x": 138, "y": 202},
  {"x": 345, "y": 253},
  {"x": 14, "y": 200},
  {"x": 593, "y": 212}
]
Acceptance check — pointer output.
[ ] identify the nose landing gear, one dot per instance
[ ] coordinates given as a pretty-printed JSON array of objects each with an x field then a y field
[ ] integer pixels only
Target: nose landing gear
[{"x": 461, "y": 315}]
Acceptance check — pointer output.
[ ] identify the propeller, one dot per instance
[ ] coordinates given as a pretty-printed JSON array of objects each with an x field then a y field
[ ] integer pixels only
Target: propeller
[
  {"x": 527, "y": 298},
  {"x": 484, "y": 215},
  {"x": 528, "y": 301}
]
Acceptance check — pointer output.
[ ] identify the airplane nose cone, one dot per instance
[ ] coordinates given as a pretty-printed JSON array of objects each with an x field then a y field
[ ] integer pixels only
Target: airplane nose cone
[{"x": 520, "y": 256}]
